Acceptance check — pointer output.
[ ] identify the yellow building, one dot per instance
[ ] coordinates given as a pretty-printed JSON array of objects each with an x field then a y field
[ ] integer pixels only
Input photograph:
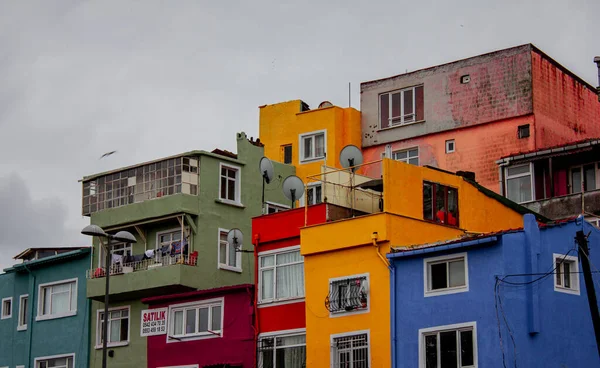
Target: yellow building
[
  {"x": 295, "y": 135},
  {"x": 347, "y": 280}
]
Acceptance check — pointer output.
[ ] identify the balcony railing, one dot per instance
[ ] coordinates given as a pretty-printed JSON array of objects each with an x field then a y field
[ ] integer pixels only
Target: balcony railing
[{"x": 143, "y": 265}]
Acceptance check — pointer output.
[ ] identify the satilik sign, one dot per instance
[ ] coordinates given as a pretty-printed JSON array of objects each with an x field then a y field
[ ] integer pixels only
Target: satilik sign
[{"x": 154, "y": 322}]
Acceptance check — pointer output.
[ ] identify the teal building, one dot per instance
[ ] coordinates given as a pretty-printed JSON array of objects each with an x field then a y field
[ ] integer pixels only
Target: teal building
[{"x": 45, "y": 316}]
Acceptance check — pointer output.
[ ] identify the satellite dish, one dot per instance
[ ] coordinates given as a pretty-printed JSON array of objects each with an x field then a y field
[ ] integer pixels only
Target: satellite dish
[
  {"x": 351, "y": 156},
  {"x": 266, "y": 169},
  {"x": 293, "y": 188},
  {"x": 235, "y": 238},
  {"x": 325, "y": 104}
]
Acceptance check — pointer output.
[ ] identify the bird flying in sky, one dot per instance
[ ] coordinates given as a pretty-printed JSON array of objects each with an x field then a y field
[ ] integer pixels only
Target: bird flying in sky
[{"x": 107, "y": 154}]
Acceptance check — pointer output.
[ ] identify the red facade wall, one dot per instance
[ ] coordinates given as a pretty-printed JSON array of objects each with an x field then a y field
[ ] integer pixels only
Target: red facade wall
[
  {"x": 235, "y": 347},
  {"x": 276, "y": 231},
  {"x": 566, "y": 110}
]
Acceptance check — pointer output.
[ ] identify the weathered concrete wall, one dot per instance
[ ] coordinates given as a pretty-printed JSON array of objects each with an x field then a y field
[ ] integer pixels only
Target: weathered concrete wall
[
  {"x": 566, "y": 108},
  {"x": 566, "y": 206},
  {"x": 500, "y": 88}
]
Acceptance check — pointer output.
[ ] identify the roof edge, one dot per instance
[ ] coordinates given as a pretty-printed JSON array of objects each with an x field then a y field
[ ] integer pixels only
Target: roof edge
[
  {"x": 443, "y": 247},
  {"x": 197, "y": 293}
]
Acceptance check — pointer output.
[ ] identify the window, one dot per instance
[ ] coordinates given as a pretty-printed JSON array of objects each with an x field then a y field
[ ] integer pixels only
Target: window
[
  {"x": 450, "y": 146},
  {"x": 276, "y": 207},
  {"x": 315, "y": 194},
  {"x": 23, "y": 301},
  {"x": 57, "y": 299},
  {"x": 584, "y": 176},
  {"x": 229, "y": 259},
  {"x": 312, "y": 146},
  {"x": 446, "y": 274},
  {"x": 229, "y": 190},
  {"x": 118, "y": 327},
  {"x": 350, "y": 350},
  {"x": 119, "y": 249},
  {"x": 449, "y": 346},
  {"x": 523, "y": 131},
  {"x": 440, "y": 203},
  {"x": 282, "y": 351},
  {"x": 401, "y": 107},
  {"x": 348, "y": 294},
  {"x": 410, "y": 156},
  {"x": 287, "y": 153},
  {"x": 66, "y": 361},
  {"x": 465, "y": 79},
  {"x": 566, "y": 278},
  {"x": 6, "y": 307},
  {"x": 196, "y": 319},
  {"x": 281, "y": 275},
  {"x": 594, "y": 221},
  {"x": 519, "y": 183}
]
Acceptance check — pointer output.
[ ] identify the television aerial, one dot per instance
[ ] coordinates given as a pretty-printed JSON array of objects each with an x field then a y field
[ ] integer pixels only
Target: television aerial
[
  {"x": 351, "y": 157},
  {"x": 293, "y": 188},
  {"x": 236, "y": 238},
  {"x": 266, "y": 171}
]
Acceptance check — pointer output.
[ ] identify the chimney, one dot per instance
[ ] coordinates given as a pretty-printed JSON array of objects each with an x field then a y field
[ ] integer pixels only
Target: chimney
[
  {"x": 469, "y": 175},
  {"x": 597, "y": 61}
]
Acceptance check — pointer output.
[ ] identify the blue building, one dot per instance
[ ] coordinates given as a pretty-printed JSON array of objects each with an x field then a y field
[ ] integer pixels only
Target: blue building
[
  {"x": 511, "y": 299},
  {"x": 45, "y": 315}
]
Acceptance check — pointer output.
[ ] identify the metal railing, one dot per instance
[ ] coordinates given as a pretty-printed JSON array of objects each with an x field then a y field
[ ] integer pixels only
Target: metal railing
[
  {"x": 350, "y": 352},
  {"x": 142, "y": 265}
]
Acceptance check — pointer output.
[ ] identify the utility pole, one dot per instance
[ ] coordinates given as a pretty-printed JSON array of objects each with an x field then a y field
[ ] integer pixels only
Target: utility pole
[{"x": 589, "y": 284}]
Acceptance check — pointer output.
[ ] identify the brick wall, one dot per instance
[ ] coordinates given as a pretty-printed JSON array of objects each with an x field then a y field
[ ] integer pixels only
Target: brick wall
[{"x": 566, "y": 108}]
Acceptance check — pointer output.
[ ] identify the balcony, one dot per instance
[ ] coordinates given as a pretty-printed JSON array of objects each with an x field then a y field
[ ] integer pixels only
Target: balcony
[
  {"x": 567, "y": 206},
  {"x": 147, "y": 277}
]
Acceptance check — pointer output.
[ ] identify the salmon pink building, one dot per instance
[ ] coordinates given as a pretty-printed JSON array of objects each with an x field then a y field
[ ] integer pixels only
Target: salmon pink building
[
  {"x": 205, "y": 328},
  {"x": 467, "y": 114}
]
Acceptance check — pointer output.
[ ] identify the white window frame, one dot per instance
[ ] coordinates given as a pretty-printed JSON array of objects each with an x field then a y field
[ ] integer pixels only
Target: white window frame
[
  {"x": 40, "y": 307},
  {"x": 102, "y": 257},
  {"x": 275, "y": 335},
  {"x": 575, "y": 288},
  {"x": 449, "y": 290},
  {"x": 312, "y": 186},
  {"x": 593, "y": 220},
  {"x": 332, "y": 338},
  {"x": 169, "y": 231},
  {"x": 171, "y": 338},
  {"x": 408, "y": 157},
  {"x": 238, "y": 255},
  {"x": 530, "y": 174},
  {"x": 238, "y": 184},
  {"x": 582, "y": 173},
  {"x": 277, "y": 206},
  {"x": 391, "y": 118},
  {"x": 4, "y": 300},
  {"x": 38, "y": 359},
  {"x": 275, "y": 300},
  {"x": 448, "y": 142},
  {"x": 453, "y": 327},
  {"x": 22, "y": 323},
  {"x": 358, "y": 311},
  {"x": 99, "y": 330},
  {"x": 313, "y": 158}
]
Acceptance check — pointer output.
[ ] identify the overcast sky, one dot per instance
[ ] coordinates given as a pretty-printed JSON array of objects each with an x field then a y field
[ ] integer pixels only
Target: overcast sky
[{"x": 154, "y": 78}]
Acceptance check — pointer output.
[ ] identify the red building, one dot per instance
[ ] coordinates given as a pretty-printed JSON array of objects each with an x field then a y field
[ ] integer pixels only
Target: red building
[
  {"x": 206, "y": 328},
  {"x": 279, "y": 278},
  {"x": 467, "y": 114}
]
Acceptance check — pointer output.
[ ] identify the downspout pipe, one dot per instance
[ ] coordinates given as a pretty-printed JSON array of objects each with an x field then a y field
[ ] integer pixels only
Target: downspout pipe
[
  {"x": 30, "y": 323},
  {"x": 374, "y": 238},
  {"x": 256, "y": 291}
]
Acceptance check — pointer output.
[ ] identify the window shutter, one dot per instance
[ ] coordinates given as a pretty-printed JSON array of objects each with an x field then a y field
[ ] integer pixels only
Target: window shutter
[
  {"x": 419, "y": 103},
  {"x": 384, "y": 110}
]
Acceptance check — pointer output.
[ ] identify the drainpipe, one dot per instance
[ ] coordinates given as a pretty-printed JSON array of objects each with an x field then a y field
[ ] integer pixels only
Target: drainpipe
[
  {"x": 374, "y": 237},
  {"x": 256, "y": 291},
  {"x": 31, "y": 303},
  {"x": 393, "y": 311},
  {"x": 597, "y": 61}
]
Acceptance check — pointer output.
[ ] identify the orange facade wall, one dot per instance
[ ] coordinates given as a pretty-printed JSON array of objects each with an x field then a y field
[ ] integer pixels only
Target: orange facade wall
[
  {"x": 476, "y": 149},
  {"x": 566, "y": 110}
]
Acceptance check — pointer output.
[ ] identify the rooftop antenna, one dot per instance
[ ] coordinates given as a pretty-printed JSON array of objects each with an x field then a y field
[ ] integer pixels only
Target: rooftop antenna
[
  {"x": 597, "y": 61},
  {"x": 293, "y": 188},
  {"x": 351, "y": 158},
  {"x": 266, "y": 170}
]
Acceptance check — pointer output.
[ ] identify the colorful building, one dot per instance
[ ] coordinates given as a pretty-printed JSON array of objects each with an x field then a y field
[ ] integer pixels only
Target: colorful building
[
  {"x": 513, "y": 298},
  {"x": 467, "y": 114},
  {"x": 558, "y": 182},
  {"x": 180, "y": 209},
  {"x": 295, "y": 135},
  {"x": 205, "y": 328},
  {"x": 347, "y": 275},
  {"x": 45, "y": 316}
]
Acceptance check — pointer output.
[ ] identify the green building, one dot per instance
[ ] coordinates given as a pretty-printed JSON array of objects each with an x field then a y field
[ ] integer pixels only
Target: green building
[{"x": 180, "y": 209}]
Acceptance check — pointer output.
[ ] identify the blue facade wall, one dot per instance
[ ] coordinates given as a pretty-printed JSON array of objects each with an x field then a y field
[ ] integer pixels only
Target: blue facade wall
[
  {"x": 550, "y": 328},
  {"x": 66, "y": 335}
]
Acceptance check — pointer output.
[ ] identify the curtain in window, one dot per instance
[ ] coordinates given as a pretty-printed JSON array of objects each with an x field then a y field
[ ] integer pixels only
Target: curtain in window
[
  {"x": 60, "y": 298},
  {"x": 292, "y": 357},
  {"x": 320, "y": 145},
  {"x": 290, "y": 279}
]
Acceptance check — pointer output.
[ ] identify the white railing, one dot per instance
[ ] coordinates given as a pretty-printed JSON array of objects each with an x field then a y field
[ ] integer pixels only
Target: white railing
[{"x": 142, "y": 265}]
